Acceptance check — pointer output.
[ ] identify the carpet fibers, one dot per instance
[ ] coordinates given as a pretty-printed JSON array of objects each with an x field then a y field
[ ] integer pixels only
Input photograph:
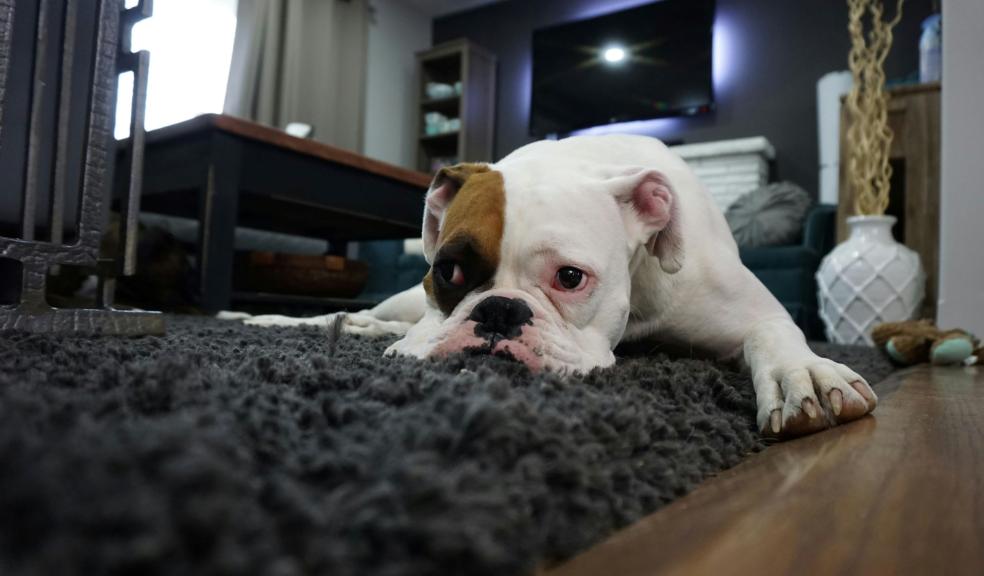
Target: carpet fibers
[{"x": 228, "y": 449}]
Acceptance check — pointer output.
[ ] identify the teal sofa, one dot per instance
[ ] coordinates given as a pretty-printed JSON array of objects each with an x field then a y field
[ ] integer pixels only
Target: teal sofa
[
  {"x": 390, "y": 270},
  {"x": 789, "y": 272}
]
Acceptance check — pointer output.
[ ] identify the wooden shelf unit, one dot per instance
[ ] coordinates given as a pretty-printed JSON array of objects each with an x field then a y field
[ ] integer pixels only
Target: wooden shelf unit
[
  {"x": 914, "y": 117},
  {"x": 473, "y": 66}
]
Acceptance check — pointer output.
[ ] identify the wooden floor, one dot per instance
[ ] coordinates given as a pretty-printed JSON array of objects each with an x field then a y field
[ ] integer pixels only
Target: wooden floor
[{"x": 899, "y": 492}]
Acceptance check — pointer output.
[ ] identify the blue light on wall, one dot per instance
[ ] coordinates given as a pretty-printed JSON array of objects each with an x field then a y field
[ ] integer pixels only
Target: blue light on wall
[
  {"x": 724, "y": 60},
  {"x": 649, "y": 127},
  {"x": 593, "y": 9}
]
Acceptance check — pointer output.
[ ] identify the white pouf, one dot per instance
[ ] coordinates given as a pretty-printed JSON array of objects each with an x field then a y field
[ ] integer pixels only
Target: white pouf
[
  {"x": 868, "y": 279},
  {"x": 729, "y": 168}
]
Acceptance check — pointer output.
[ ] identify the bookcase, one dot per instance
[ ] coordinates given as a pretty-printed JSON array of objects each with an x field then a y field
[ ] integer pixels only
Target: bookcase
[{"x": 456, "y": 105}]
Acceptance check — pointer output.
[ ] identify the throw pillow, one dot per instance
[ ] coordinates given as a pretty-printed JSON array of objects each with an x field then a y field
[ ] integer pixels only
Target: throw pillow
[{"x": 772, "y": 215}]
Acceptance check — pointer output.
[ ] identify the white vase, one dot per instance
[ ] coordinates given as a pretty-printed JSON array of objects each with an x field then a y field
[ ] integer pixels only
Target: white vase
[{"x": 868, "y": 279}]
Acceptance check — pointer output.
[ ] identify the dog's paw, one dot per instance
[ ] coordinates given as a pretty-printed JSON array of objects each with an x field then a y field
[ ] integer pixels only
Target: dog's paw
[
  {"x": 278, "y": 320},
  {"x": 809, "y": 395},
  {"x": 360, "y": 323},
  {"x": 366, "y": 325},
  {"x": 230, "y": 315}
]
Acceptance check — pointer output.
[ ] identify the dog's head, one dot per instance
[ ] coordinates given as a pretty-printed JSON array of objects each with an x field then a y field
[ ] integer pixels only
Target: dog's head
[{"x": 534, "y": 261}]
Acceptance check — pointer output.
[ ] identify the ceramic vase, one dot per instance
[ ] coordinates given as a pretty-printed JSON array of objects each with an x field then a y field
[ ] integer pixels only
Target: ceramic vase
[{"x": 868, "y": 279}]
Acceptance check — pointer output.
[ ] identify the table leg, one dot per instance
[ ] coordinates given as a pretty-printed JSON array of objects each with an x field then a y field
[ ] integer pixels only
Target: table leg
[
  {"x": 338, "y": 248},
  {"x": 218, "y": 207}
]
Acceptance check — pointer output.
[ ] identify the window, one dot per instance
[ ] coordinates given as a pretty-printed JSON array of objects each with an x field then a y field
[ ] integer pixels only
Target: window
[{"x": 190, "y": 44}]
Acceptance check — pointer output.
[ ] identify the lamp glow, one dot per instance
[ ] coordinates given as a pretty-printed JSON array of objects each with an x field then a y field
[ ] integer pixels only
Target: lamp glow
[{"x": 614, "y": 54}]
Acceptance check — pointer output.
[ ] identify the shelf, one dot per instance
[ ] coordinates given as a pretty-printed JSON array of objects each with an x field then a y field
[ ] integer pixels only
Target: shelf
[
  {"x": 442, "y": 138},
  {"x": 444, "y": 68},
  {"x": 448, "y": 106},
  {"x": 473, "y": 108},
  {"x": 428, "y": 102}
]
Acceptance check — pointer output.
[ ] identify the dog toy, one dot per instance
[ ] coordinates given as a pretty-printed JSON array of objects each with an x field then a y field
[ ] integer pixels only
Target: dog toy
[{"x": 918, "y": 341}]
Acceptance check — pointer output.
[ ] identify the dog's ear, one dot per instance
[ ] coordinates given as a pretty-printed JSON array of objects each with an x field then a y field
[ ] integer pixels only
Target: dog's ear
[
  {"x": 443, "y": 189},
  {"x": 651, "y": 213}
]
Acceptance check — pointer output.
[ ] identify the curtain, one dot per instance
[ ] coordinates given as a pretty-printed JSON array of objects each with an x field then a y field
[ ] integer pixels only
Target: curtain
[{"x": 302, "y": 61}]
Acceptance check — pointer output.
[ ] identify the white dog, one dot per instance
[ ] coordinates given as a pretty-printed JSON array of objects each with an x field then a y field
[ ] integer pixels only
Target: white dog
[{"x": 563, "y": 249}]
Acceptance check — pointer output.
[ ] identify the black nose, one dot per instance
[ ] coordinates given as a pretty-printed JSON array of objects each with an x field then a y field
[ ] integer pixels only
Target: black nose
[{"x": 502, "y": 317}]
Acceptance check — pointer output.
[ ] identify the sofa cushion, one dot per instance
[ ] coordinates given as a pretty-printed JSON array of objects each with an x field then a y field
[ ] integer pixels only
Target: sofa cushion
[{"x": 772, "y": 215}]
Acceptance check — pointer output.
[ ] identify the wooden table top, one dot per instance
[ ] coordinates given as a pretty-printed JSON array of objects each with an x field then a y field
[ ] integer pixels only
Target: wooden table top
[
  {"x": 274, "y": 137},
  {"x": 900, "y": 492}
]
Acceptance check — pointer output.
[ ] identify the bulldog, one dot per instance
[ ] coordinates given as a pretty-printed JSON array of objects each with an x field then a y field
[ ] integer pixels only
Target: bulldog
[{"x": 563, "y": 249}]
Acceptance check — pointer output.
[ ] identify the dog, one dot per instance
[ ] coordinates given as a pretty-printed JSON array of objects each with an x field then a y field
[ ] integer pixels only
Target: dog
[{"x": 563, "y": 249}]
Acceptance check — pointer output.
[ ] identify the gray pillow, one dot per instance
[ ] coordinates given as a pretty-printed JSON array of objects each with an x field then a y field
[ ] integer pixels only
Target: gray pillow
[{"x": 772, "y": 215}]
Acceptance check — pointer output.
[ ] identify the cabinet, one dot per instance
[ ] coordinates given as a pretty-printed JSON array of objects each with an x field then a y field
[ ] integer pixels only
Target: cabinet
[{"x": 456, "y": 104}]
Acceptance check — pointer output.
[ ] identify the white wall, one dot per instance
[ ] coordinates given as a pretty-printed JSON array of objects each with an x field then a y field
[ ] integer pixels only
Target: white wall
[
  {"x": 397, "y": 31},
  {"x": 961, "y": 302}
]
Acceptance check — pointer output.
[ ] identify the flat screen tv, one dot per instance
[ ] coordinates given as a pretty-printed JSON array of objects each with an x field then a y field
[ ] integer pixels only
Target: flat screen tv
[{"x": 650, "y": 61}]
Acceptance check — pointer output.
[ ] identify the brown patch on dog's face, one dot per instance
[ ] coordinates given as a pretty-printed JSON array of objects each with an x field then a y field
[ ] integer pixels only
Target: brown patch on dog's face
[{"x": 470, "y": 239}]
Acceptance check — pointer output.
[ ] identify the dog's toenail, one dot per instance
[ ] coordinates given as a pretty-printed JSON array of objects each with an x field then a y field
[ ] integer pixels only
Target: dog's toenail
[
  {"x": 836, "y": 401},
  {"x": 810, "y": 408},
  {"x": 776, "y": 421}
]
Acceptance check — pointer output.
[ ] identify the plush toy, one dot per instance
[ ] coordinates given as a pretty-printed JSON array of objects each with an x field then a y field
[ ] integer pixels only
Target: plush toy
[{"x": 917, "y": 341}]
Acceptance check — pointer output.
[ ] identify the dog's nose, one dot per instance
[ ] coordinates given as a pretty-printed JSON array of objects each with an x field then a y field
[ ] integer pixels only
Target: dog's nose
[{"x": 500, "y": 316}]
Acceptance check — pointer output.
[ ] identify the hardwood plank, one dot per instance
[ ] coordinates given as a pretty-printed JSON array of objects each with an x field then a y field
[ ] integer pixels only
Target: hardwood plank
[{"x": 900, "y": 492}]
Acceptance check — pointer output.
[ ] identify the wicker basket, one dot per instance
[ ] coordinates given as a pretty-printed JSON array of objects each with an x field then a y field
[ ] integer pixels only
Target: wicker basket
[{"x": 327, "y": 276}]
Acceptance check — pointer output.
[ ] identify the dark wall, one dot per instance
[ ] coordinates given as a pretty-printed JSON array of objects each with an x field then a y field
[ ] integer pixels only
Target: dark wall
[{"x": 769, "y": 55}]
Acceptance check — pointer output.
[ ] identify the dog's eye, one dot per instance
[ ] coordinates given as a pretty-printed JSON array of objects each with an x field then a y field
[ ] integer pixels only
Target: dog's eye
[
  {"x": 569, "y": 278},
  {"x": 450, "y": 272}
]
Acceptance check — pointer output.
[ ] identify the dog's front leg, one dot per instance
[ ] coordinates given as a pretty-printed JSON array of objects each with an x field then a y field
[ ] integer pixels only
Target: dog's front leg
[
  {"x": 797, "y": 391},
  {"x": 395, "y": 315}
]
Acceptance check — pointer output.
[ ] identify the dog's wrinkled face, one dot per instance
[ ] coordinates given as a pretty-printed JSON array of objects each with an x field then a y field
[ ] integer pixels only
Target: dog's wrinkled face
[{"x": 532, "y": 264}]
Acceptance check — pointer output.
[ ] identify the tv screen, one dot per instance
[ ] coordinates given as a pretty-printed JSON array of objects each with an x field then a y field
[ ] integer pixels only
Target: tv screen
[{"x": 650, "y": 61}]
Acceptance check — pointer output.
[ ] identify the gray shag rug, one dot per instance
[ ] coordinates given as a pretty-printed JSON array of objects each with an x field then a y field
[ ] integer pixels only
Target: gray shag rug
[{"x": 227, "y": 449}]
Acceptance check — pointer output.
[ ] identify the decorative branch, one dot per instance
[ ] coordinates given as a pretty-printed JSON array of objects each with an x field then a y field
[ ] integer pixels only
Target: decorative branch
[{"x": 869, "y": 138}]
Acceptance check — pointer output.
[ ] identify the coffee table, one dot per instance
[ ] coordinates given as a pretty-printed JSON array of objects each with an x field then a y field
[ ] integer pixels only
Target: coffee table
[{"x": 227, "y": 172}]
